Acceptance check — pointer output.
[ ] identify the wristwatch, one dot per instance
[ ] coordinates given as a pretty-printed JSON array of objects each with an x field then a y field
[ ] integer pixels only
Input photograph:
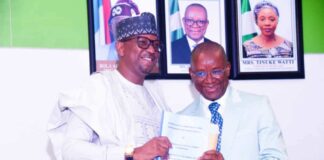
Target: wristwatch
[{"x": 129, "y": 152}]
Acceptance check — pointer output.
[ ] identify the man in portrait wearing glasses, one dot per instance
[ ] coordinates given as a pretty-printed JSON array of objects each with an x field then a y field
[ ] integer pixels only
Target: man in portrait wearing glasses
[
  {"x": 247, "y": 126},
  {"x": 195, "y": 22},
  {"x": 115, "y": 115}
]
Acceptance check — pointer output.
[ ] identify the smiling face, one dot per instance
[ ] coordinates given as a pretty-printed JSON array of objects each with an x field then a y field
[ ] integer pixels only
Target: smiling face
[
  {"x": 195, "y": 14},
  {"x": 135, "y": 62},
  {"x": 267, "y": 21},
  {"x": 208, "y": 60}
]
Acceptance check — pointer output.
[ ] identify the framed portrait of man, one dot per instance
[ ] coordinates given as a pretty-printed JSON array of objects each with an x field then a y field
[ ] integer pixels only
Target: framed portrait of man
[
  {"x": 188, "y": 23},
  {"x": 269, "y": 40},
  {"x": 103, "y": 16}
]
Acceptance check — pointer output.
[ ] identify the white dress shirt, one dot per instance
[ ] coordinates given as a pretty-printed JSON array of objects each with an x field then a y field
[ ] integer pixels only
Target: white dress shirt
[
  {"x": 204, "y": 103},
  {"x": 192, "y": 43}
]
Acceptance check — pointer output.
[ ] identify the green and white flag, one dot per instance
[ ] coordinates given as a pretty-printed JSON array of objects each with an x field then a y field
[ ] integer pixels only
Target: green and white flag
[
  {"x": 175, "y": 21},
  {"x": 248, "y": 30}
]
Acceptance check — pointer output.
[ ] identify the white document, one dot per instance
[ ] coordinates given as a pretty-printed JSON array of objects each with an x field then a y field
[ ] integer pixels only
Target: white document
[{"x": 190, "y": 136}]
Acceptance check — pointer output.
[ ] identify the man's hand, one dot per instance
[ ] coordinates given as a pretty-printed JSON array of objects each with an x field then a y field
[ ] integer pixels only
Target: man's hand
[
  {"x": 211, "y": 155},
  {"x": 157, "y": 146}
]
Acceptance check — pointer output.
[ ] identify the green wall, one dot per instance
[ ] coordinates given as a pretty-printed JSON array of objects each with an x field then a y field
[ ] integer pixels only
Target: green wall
[
  {"x": 313, "y": 26},
  {"x": 63, "y": 24},
  {"x": 43, "y": 23}
]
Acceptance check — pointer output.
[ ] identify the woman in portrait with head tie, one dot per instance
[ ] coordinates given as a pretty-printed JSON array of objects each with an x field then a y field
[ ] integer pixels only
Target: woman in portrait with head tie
[{"x": 267, "y": 44}]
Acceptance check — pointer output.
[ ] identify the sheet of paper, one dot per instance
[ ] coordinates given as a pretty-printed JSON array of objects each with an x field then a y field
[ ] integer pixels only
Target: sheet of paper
[{"x": 190, "y": 136}]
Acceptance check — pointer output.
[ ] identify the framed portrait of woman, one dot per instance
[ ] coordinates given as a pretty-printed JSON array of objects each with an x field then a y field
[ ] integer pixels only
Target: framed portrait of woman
[
  {"x": 268, "y": 43},
  {"x": 188, "y": 23},
  {"x": 103, "y": 15}
]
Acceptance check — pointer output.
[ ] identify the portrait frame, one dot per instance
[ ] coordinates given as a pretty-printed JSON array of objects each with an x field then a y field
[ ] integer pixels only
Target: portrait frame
[
  {"x": 245, "y": 67},
  {"x": 98, "y": 12},
  {"x": 217, "y": 30}
]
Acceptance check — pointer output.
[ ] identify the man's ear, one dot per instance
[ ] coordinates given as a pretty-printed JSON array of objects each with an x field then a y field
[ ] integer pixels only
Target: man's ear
[
  {"x": 228, "y": 69},
  {"x": 120, "y": 48},
  {"x": 190, "y": 72},
  {"x": 183, "y": 21}
]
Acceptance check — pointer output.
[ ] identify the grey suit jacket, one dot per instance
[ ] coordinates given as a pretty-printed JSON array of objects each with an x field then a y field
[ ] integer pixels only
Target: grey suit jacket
[{"x": 250, "y": 130}]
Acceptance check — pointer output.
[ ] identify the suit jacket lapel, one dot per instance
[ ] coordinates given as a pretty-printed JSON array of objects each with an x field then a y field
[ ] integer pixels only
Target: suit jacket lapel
[
  {"x": 195, "y": 109},
  {"x": 232, "y": 118},
  {"x": 186, "y": 49}
]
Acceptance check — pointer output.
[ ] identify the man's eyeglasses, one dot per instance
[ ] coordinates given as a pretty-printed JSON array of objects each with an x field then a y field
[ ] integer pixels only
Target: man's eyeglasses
[
  {"x": 216, "y": 73},
  {"x": 191, "y": 22},
  {"x": 144, "y": 43}
]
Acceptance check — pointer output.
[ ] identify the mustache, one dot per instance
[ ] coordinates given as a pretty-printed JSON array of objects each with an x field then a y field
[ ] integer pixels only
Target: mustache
[{"x": 150, "y": 56}]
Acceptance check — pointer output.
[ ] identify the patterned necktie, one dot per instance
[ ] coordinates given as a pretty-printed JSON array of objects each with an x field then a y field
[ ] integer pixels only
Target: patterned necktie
[{"x": 216, "y": 118}]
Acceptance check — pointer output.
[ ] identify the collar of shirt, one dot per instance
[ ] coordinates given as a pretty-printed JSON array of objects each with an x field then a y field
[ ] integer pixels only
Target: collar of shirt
[
  {"x": 205, "y": 103},
  {"x": 126, "y": 82},
  {"x": 193, "y": 43}
]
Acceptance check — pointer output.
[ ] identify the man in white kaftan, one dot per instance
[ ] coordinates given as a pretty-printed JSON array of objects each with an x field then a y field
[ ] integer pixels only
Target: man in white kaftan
[
  {"x": 115, "y": 111},
  {"x": 132, "y": 118}
]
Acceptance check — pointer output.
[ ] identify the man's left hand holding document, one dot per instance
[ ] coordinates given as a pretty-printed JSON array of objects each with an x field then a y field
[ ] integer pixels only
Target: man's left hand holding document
[{"x": 192, "y": 137}]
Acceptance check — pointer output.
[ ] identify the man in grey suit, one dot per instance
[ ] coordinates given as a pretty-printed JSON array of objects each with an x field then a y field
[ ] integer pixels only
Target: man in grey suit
[{"x": 248, "y": 128}]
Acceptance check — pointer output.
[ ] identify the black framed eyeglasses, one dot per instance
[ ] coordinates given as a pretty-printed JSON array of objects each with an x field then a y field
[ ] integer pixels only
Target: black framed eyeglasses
[
  {"x": 144, "y": 43},
  {"x": 191, "y": 22},
  {"x": 216, "y": 73}
]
